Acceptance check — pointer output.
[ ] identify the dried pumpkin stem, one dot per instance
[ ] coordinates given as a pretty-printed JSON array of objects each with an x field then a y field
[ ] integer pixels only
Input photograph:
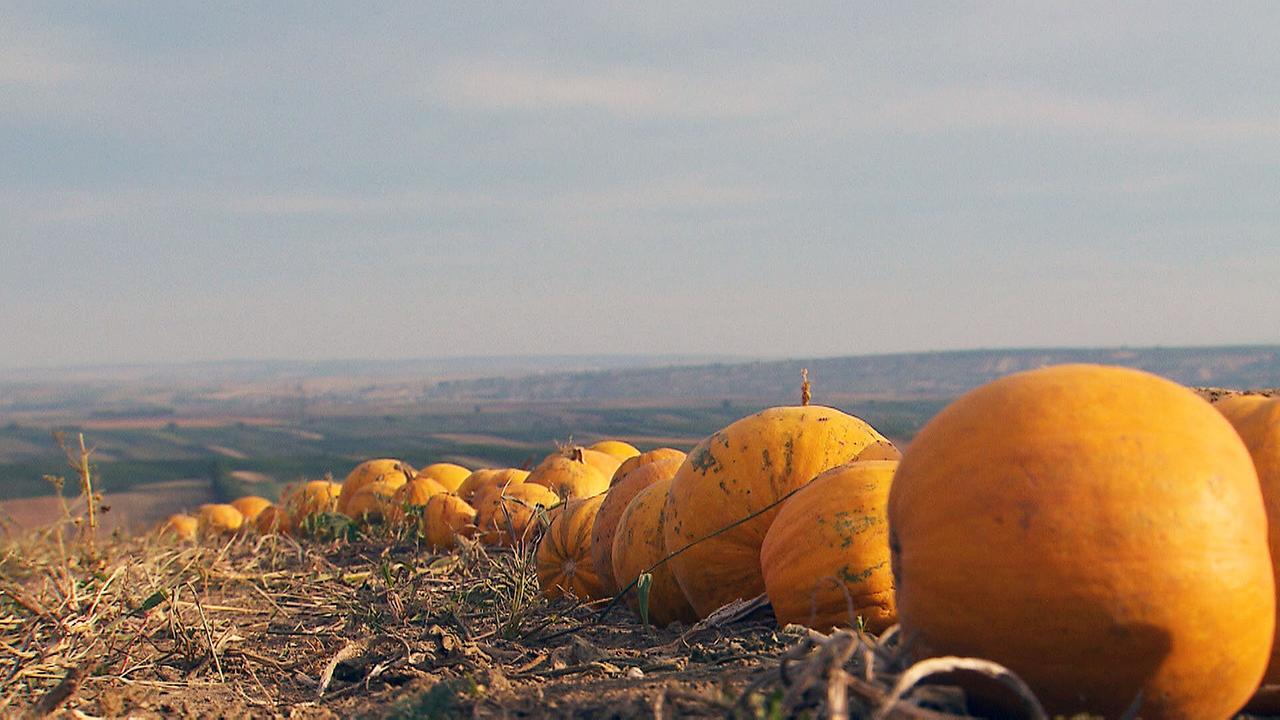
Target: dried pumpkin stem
[{"x": 805, "y": 393}]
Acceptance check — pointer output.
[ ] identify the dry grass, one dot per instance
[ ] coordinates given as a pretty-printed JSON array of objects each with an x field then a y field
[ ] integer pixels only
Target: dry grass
[
  {"x": 267, "y": 626},
  {"x": 346, "y": 624}
]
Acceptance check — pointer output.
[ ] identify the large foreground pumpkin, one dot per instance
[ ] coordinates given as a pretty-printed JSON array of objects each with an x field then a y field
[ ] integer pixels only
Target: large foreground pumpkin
[
  {"x": 615, "y": 503},
  {"x": 1257, "y": 420},
  {"x": 737, "y": 472},
  {"x": 1099, "y": 531},
  {"x": 563, "y": 558},
  {"x": 826, "y": 557},
  {"x": 638, "y": 546}
]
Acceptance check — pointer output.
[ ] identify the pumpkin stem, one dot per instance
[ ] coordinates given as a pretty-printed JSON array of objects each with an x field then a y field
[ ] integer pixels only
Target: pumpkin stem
[{"x": 805, "y": 393}]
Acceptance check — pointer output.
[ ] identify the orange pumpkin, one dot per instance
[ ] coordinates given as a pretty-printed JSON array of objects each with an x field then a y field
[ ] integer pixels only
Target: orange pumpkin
[
  {"x": 639, "y": 545},
  {"x": 274, "y": 520},
  {"x": 181, "y": 526},
  {"x": 481, "y": 480},
  {"x": 616, "y": 448},
  {"x": 644, "y": 458},
  {"x": 414, "y": 493},
  {"x": 1257, "y": 420},
  {"x": 880, "y": 450},
  {"x": 219, "y": 519},
  {"x": 313, "y": 498},
  {"x": 738, "y": 472},
  {"x": 250, "y": 506},
  {"x": 387, "y": 470},
  {"x": 371, "y": 502},
  {"x": 1099, "y": 531},
  {"x": 606, "y": 463},
  {"x": 570, "y": 475},
  {"x": 445, "y": 518},
  {"x": 825, "y": 559},
  {"x": 504, "y": 517},
  {"x": 449, "y": 475},
  {"x": 474, "y": 482},
  {"x": 563, "y": 558},
  {"x": 615, "y": 503}
]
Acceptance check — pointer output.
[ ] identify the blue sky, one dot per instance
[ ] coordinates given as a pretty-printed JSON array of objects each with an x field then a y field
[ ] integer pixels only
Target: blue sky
[{"x": 189, "y": 181}]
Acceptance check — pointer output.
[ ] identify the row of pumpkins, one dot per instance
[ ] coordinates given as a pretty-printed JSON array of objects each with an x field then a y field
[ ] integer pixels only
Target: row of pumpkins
[{"x": 1101, "y": 531}]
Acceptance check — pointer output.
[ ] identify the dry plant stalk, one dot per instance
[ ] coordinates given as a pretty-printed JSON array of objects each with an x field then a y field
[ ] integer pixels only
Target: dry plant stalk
[{"x": 78, "y": 460}]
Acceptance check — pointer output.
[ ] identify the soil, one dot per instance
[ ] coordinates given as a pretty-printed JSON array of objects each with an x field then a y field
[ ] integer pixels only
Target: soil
[{"x": 364, "y": 630}]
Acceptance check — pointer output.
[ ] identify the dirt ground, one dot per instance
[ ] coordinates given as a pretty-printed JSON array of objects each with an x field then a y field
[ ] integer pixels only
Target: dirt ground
[{"x": 267, "y": 627}]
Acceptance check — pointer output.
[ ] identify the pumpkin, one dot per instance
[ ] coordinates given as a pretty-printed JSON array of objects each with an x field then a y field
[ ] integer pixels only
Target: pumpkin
[
  {"x": 481, "y": 479},
  {"x": 1257, "y": 420},
  {"x": 1097, "y": 530},
  {"x": 393, "y": 472},
  {"x": 371, "y": 502},
  {"x": 250, "y": 506},
  {"x": 725, "y": 494},
  {"x": 639, "y": 545},
  {"x": 825, "y": 559},
  {"x": 181, "y": 526},
  {"x": 880, "y": 450},
  {"x": 274, "y": 520},
  {"x": 491, "y": 490},
  {"x": 615, "y": 502},
  {"x": 616, "y": 448},
  {"x": 414, "y": 493},
  {"x": 563, "y": 559},
  {"x": 503, "y": 516},
  {"x": 446, "y": 517},
  {"x": 644, "y": 458},
  {"x": 449, "y": 475},
  {"x": 606, "y": 463},
  {"x": 219, "y": 519},
  {"x": 313, "y": 498},
  {"x": 569, "y": 475}
]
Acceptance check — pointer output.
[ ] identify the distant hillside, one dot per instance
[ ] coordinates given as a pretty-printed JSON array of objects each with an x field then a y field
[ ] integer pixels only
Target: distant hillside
[{"x": 939, "y": 374}]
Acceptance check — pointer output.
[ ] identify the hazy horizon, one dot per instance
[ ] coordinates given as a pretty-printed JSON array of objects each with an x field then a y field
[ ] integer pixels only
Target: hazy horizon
[
  {"x": 322, "y": 182},
  {"x": 622, "y": 359}
]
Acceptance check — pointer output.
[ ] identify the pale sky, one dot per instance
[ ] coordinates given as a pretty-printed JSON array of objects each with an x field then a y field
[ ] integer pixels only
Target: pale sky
[{"x": 197, "y": 181}]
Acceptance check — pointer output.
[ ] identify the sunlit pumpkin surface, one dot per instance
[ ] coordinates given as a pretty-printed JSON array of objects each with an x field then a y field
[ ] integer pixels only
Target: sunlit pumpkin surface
[
  {"x": 1098, "y": 530},
  {"x": 737, "y": 472}
]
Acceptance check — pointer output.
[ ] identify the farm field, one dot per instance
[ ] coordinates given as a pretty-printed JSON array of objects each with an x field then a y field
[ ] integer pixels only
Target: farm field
[
  {"x": 892, "y": 361},
  {"x": 377, "y": 631},
  {"x": 239, "y": 455},
  {"x": 358, "y": 617}
]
